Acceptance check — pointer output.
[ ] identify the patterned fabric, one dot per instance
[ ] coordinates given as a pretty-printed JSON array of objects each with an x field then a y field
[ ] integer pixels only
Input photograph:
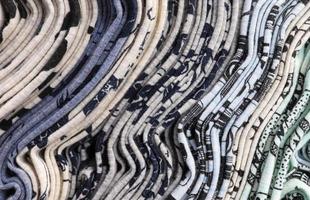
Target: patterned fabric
[{"x": 160, "y": 99}]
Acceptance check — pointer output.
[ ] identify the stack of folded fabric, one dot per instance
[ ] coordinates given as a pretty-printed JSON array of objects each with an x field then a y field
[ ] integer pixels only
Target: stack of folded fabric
[{"x": 154, "y": 99}]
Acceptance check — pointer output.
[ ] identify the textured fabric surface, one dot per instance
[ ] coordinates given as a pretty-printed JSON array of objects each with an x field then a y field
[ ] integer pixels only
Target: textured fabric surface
[{"x": 154, "y": 99}]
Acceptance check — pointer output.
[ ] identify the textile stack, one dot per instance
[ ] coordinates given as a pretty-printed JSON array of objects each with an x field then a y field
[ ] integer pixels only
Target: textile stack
[{"x": 154, "y": 99}]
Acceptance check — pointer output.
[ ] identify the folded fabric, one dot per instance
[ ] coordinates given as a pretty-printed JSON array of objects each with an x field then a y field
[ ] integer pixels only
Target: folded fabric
[{"x": 161, "y": 99}]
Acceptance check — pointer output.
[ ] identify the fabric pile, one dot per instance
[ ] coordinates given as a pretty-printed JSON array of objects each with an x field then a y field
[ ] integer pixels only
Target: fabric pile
[{"x": 154, "y": 99}]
